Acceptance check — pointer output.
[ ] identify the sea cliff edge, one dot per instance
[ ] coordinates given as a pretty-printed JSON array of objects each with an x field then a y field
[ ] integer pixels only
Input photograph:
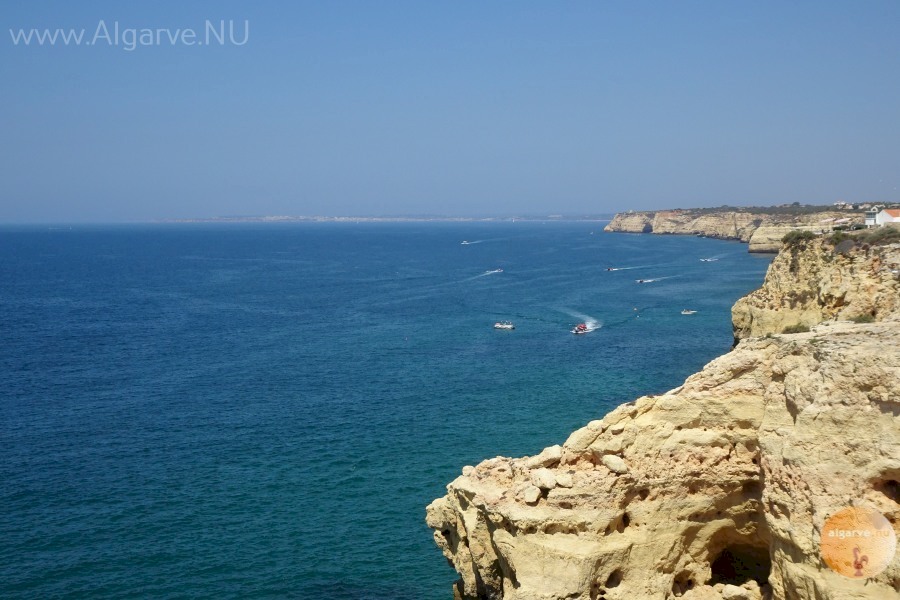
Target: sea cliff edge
[{"x": 719, "y": 488}]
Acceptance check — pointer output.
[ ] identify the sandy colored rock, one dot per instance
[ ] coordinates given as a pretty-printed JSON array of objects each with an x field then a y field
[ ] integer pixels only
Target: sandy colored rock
[
  {"x": 543, "y": 478},
  {"x": 811, "y": 283},
  {"x": 531, "y": 494},
  {"x": 547, "y": 458},
  {"x": 604, "y": 446},
  {"x": 564, "y": 480},
  {"x": 733, "y": 592},
  {"x": 615, "y": 464}
]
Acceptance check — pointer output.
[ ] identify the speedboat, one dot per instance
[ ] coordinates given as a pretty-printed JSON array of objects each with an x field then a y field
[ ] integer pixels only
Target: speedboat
[
  {"x": 688, "y": 312},
  {"x": 612, "y": 268},
  {"x": 494, "y": 271},
  {"x": 645, "y": 280},
  {"x": 708, "y": 259},
  {"x": 504, "y": 325},
  {"x": 581, "y": 328},
  {"x": 465, "y": 242}
]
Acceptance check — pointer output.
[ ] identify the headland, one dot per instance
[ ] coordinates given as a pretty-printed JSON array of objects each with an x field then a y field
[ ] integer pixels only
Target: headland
[{"x": 760, "y": 227}]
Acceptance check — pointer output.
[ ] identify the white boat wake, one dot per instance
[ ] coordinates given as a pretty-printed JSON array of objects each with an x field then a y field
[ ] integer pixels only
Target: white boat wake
[
  {"x": 485, "y": 274},
  {"x": 471, "y": 242},
  {"x": 655, "y": 279},
  {"x": 591, "y": 323}
]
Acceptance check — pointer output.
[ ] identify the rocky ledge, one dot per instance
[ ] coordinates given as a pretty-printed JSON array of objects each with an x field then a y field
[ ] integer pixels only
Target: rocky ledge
[
  {"x": 811, "y": 281},
  {"x": 719, "y": 488},
  {"x": 762, "y": 230}
]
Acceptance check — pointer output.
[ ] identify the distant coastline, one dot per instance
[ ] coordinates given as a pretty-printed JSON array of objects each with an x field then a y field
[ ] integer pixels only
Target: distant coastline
[
  {"x": 760, "y": 227},
  {"x": 387, "y": 219}
]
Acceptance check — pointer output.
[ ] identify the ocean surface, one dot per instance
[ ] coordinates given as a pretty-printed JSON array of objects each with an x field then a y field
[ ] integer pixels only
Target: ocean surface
[{"x": 264, "y": 411}]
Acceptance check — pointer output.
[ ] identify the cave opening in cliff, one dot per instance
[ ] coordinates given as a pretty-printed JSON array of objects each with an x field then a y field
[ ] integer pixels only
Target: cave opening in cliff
[
  {"x": 740, "y": 563},
  {"x": 890, "y": 488}
]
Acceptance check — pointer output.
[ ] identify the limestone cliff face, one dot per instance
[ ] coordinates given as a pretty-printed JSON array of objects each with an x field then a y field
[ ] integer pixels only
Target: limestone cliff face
[
  {"x": 767, "y": 238},
  {"x": 632, "y": 222},
  {"x": 806, "y": 285},
  {"x": 727, "y": 225},
  {"x": 722, "y": 225},
  {"x": 715, "y": 490}
]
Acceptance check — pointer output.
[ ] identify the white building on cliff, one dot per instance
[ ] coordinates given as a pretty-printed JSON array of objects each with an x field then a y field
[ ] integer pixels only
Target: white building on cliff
[
  {"x": 871, "y": 217},
  {"x": 888, "y": 215}
]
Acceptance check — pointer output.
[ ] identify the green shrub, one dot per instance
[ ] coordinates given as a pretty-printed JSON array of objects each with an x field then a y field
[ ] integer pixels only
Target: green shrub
[
  {"x": 837, "y": 237},
  {"x": 880, "y": 235},
  {"x": 863, "y": 319},
  {"x": 798, "y": 328},
  {"x": 873, "y": 237},
  {"x": 797, "y": 237}
]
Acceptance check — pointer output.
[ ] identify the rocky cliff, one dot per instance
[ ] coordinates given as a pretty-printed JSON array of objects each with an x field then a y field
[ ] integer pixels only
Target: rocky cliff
[
  {"x": 722, "y": 224},
  {"x": 813, "y": 281},
  {"x": 717, "y": 489},
  {"x": 767, "y": 238}
]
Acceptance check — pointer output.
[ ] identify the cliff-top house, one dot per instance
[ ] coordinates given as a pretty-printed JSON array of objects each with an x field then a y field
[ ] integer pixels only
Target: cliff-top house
[
  {"x": 872, "y": 217},
  {"x": 886, "y": 216}
]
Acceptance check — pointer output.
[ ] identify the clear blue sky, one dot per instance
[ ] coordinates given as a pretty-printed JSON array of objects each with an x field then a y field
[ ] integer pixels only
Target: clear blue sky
[{"x": 456, "y": 108}]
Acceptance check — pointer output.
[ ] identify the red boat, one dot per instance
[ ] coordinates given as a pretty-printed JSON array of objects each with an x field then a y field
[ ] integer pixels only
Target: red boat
[{"x": 580, "y": 329}]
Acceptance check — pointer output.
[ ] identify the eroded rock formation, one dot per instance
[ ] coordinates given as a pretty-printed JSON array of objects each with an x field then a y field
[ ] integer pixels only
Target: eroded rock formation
[
  {"x": 715, "y": 490},
  {"x": 814, "y": 281}
]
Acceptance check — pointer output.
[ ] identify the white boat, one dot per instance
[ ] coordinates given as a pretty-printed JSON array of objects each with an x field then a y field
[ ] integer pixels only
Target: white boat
[
  {"x": 465, "y": 242},
  {"x": 581, "y": 329},
  {"x": 708, "y": 259},
  {"x": 494, "y": 271},
  {"x": 688, "y": 312},
  {"x": 504, "y": 325}
]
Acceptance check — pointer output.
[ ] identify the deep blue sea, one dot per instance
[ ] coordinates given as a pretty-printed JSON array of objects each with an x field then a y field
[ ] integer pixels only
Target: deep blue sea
[{"x": 264, "y": 411}]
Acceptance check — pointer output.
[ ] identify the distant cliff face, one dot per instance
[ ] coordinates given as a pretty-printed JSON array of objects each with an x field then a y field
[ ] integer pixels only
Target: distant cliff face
[
  {"x": 727, "y": 225},
  {"x": 632, "y": 222},
  {"x": 767, "y": 238},
  {"x": 715, "y": 490},
  {"x": 814, "y": 282},
  {"x": 724, "y": 225}
]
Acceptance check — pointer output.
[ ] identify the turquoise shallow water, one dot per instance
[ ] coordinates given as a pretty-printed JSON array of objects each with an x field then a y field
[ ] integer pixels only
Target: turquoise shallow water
[{"x": 265, "y": 411}]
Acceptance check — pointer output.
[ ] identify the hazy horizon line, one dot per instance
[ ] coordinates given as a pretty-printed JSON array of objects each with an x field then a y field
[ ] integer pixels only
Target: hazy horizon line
[{"x": 398, "y": 217}]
